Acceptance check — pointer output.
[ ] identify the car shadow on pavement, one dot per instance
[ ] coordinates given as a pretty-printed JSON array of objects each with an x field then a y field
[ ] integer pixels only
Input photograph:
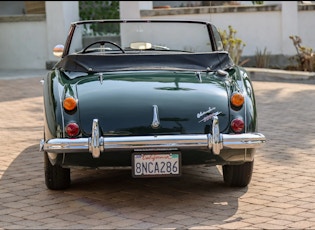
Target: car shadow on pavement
[
  {"x": 199, "y": 194},
  {"x": 17, "y": 89}
]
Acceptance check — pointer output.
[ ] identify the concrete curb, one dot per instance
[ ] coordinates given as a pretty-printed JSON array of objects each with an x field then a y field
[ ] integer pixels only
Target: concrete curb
[
  {"x": 22, "y": 73},
  {"x": 258, "y": 74}
]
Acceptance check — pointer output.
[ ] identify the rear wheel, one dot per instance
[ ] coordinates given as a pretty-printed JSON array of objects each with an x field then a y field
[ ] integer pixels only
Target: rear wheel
[
  {"x": 56, "y": 177},
  {"x": 238, "y": 175}
]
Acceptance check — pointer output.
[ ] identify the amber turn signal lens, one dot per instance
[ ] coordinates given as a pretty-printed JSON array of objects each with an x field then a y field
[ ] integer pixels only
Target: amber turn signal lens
[
  {"x": 237, "y": 99},
  {"x": 69, "y": 103}
]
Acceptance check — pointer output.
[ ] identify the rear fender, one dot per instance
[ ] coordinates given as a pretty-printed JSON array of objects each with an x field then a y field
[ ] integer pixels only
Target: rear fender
[
  {"x": 242, "y": 84},
  {"x": 56, "y": 88}
]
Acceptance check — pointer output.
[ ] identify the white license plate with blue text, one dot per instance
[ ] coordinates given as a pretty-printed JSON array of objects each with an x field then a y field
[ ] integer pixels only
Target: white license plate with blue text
[{"x": 160, "y": 164}]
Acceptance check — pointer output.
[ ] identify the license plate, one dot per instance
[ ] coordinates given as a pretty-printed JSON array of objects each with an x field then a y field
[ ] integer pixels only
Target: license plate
[{"x": 166, "y": 164}]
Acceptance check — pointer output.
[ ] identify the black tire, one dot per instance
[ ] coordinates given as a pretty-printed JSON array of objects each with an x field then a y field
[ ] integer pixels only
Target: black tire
[
  {"x": 238, "y": 175},
  {"x": 56, "y": 177}
]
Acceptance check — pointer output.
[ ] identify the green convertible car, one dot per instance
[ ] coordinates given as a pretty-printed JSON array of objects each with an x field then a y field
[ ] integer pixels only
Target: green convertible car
[{"x": 151, "y": 96}]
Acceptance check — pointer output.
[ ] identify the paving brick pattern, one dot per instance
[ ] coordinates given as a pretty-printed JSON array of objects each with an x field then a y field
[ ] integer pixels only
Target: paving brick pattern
[{"x": 281, "y": 194}]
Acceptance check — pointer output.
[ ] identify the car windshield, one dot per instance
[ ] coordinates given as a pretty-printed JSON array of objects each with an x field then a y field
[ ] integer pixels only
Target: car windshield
[{"x": 146, "y": 35}]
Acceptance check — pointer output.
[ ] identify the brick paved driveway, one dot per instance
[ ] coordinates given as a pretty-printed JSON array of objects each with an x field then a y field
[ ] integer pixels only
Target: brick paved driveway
[{"x": 280, "y": 196}]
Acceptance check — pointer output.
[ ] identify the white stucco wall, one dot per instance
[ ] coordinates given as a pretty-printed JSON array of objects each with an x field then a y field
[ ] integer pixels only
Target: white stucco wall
[
  {"x": 27, "y": 42},
  {"x": 289, "y": 24},
  {"x": 258, "y": 30},
  {"x": 130, "y": 9},
  {"x": 306, "y": 28},
  {"x": 59, "y": 15},
  {"x": 23, "y": 45},
  {"x": 253, "y": 32}
]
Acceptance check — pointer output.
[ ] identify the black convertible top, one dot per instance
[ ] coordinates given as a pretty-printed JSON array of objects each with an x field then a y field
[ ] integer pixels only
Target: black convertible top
[{"x": 145, "y": 61}]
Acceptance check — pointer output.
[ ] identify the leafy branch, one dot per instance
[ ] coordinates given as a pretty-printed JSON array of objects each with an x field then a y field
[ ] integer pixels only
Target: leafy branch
[{"x": 232, "y": 44}]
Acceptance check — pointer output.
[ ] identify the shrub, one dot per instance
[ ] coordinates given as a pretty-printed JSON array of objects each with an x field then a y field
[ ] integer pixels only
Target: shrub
[
  {"x": 232, "y": 44},
  {"x": 262, "y": 58},
  {"x": 305, "y": 55}
]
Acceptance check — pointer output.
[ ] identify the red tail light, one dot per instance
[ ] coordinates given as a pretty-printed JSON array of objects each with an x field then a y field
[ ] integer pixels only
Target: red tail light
[
  {"x": 237, "y": 125},
  {"x": 72, "y": 129}
]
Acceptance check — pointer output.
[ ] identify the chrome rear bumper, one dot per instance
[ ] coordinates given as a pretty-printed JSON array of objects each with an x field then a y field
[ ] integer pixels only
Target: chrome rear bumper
[{"x": 97, "y": 144}]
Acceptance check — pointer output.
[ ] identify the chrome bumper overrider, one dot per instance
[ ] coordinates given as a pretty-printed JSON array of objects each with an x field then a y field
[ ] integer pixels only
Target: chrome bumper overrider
[{"x": 97, "y": 144}]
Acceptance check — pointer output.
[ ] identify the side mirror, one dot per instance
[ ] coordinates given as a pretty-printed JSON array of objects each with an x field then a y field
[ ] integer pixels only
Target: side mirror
[{"x": 58, "y": 50}]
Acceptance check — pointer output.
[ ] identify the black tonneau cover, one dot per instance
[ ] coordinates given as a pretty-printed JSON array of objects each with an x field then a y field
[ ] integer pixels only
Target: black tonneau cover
[{"x": 145, "y": 61}]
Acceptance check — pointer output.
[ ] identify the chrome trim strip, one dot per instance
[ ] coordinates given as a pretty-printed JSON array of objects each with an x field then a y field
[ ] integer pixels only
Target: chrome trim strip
[
  {"x": 216, "y": 136},
  {"x": 198, "y": 75},
  {"x": 97, "y": 144},
  {"x": 198, "y": 141},
  {"x": 156, "y": 121}
]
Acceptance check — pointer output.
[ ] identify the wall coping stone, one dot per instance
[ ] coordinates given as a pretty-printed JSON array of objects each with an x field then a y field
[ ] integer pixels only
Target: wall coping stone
[
  {"x": 219, "y": 9},
  {"x": 23, "y": 18},
  {"x": 209, "y": 9}
]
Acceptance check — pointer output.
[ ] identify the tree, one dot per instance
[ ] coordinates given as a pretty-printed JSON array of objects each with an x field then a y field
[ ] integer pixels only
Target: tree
[{"x": 92, "y": 10}]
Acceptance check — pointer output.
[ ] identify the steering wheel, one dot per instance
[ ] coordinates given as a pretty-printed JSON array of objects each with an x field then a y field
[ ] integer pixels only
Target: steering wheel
[{"x": 103, "y": 42}]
